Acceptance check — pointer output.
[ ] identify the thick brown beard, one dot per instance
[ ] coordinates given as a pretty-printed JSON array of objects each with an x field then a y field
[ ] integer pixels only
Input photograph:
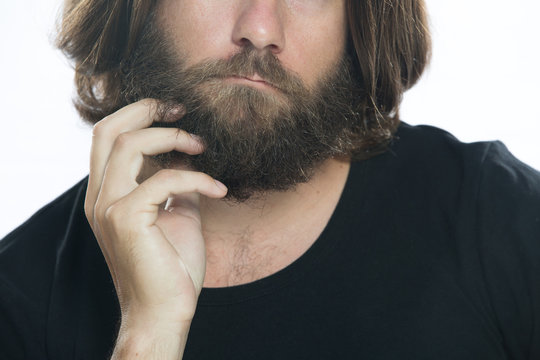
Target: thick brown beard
[{"x": 255, "y": 141}]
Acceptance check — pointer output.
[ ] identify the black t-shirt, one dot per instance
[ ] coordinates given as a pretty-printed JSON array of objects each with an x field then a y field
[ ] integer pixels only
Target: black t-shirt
[{"x": 433, "y": 252}]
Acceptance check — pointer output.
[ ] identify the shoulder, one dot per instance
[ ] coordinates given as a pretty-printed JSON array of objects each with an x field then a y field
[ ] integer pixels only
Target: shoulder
[
  {"x": 46, "y": 227},
  {"x": 478, "y": 196},
  {"x": 28, "y": 261},
  {"x": 428, "y": 144},
  {"x": 481, "y": 180},
  {"x": 490, "y": 205},
  {"x": 29, "y": 252},
  {"x": 445, "y": 162}
]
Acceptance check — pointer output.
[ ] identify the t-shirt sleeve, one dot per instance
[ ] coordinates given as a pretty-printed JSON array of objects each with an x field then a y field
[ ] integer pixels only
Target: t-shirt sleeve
[{"x": 508, "y": 229}]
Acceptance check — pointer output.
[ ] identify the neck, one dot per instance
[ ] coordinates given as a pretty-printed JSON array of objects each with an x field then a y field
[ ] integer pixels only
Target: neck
[{"x": 274, "y": 230}]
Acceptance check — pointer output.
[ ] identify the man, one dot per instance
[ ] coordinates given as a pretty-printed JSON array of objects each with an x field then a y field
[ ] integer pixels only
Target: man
[{"x": 251, "y": 195}]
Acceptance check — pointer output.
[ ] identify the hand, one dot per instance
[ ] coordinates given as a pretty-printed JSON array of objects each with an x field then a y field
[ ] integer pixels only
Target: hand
[{"x": 156, "y": 256}]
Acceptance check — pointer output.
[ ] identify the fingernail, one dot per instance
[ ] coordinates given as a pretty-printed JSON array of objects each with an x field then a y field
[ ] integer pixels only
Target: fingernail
[
  {"x": 220, "y": 185},
  {"x": 176, "y": 110},
  {"x": 173, "y": 114}
]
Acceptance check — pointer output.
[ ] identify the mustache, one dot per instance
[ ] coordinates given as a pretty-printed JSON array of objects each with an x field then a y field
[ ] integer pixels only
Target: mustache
[
  {"x": 156, "y": 70},
  {"x": 248, "y": 63}
]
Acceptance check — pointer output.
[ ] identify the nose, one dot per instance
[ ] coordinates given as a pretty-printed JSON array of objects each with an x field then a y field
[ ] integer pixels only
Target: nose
[{"x": 260, "y": 23}]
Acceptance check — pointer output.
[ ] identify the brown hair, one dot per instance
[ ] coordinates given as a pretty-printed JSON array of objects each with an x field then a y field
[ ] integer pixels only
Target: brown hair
[{"x": 389, "y": 43}]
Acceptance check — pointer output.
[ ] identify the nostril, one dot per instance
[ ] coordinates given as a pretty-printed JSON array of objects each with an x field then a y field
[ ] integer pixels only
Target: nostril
[
  {"x": 245, "y": 42},
  {"x": 273, "y": 48}
]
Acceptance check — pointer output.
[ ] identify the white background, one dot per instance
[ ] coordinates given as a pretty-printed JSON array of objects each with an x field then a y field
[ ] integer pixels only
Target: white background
[{"x": 483, "y": 84}]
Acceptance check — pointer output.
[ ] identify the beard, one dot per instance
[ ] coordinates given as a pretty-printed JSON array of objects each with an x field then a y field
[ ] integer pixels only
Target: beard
[{"x": 256, "y": 141}]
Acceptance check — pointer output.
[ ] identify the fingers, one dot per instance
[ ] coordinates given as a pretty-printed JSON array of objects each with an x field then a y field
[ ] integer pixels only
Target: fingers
[
  {"x": 139, "y": 210},
  {"x": 127, "y": 156},
  {"x": 140, "y": 207},
  {"x": 133, "y": 117}
]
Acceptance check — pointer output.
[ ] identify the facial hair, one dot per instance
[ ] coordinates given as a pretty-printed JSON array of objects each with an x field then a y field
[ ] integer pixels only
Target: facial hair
[{"x": 255, "y": 141}]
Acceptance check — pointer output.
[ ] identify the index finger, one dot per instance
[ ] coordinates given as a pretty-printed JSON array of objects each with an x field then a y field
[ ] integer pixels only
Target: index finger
[{"x": 135, "y": 116}]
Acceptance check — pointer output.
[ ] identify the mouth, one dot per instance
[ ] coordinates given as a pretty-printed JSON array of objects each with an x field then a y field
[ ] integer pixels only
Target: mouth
[{"x": 254, "y": 81}]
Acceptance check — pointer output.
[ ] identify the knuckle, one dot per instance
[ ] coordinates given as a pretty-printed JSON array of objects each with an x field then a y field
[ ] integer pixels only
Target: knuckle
[
  {"x": 122, "y": 141},
  {"x": 99, "y": 129},
  {"x": 112, "y": 219},
  {"x": 166, "y": 175},
  {"x": 113, "y": 215},
  {"x": 99, "y": 214},
  {"x": 181, "y": 133}
]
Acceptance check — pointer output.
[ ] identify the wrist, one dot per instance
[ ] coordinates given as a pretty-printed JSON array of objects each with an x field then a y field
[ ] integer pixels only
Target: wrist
[{"x": 142, "y": 339}]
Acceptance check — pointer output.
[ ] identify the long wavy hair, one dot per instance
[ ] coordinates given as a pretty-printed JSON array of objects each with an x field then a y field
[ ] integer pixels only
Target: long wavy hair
[{"x": 388, "y": 41}]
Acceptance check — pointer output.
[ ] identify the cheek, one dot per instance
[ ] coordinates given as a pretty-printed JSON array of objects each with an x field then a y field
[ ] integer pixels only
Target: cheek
[
  {"x": 317, "y": 51},
  {"x": 196, "y": 34}
]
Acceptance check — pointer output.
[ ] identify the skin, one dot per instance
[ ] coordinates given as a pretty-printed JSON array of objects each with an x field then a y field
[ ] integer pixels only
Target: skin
[
  {"x": 293, "y": 30},
  {"x": 160, "y": 258}
]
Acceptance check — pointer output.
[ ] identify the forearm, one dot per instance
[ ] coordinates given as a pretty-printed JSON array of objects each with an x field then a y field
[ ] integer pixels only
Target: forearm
[{"x": 150, "y": 343}]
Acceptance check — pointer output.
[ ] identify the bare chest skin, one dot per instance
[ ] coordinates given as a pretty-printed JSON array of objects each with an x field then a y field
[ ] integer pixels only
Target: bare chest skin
[{"x": 248, "y": 242}]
